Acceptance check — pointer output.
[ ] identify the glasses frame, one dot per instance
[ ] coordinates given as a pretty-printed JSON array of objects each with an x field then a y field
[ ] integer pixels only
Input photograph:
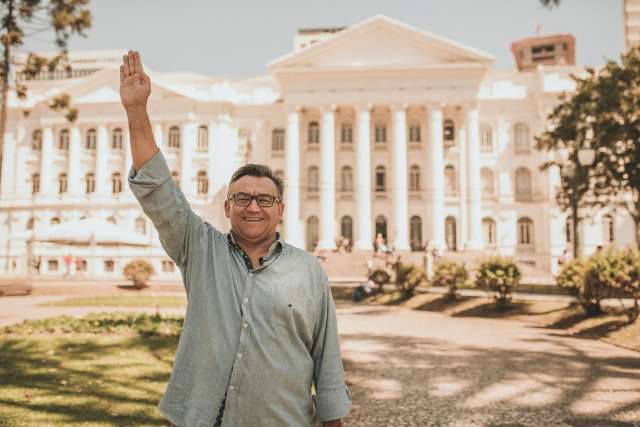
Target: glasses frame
[{"x": 232, "y": 198}]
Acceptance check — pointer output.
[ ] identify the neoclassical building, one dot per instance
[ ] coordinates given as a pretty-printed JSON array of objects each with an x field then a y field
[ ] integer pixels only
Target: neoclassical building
[{"x": 375, "y": 128}]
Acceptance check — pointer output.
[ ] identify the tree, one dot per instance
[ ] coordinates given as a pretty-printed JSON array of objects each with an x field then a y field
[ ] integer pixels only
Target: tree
[
  {"x": 20, "y": 19},
  {"x": 550, "y": 3}
]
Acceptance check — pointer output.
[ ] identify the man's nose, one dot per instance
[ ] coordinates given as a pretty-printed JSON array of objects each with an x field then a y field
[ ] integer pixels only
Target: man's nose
[{"x": 253, "y": 206}]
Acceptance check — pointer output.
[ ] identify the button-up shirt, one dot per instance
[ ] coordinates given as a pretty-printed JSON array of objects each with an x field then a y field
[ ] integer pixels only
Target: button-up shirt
[{"x": 258, "y": 339}]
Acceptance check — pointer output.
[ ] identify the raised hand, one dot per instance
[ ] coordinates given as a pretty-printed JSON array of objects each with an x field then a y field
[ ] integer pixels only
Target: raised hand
[{"x": 135, "y": 85}]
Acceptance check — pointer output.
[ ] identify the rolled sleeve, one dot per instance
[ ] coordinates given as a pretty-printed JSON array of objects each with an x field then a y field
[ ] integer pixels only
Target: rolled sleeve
[{"x": 334, "y": 404}]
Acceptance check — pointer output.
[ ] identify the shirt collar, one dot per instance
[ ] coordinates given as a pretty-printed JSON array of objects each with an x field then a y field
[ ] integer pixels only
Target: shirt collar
[{"x": 274, "y": 249}]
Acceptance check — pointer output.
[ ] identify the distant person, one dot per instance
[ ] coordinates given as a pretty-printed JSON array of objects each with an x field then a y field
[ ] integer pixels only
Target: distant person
[{"x": 68, "y": 260}]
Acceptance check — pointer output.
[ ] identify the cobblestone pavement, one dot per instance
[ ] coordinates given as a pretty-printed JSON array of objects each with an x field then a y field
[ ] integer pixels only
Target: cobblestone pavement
[{"x": 412, "y": 368}]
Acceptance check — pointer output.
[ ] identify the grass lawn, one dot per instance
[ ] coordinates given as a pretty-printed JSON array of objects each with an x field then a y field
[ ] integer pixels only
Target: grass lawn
[
  {"x": 121, "y": 301},
  {"x": 53, "y": 374}
]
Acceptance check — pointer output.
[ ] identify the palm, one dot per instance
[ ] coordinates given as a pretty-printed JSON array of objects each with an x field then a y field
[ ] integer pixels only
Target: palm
[{"x": 135, "y": 90}]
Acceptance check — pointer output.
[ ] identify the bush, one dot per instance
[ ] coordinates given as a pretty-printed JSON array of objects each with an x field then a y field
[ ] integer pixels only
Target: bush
[
  {"x": 500, "y": 275},
  {"x": 138, "y": 271},
  {"x": 450, "y": 274},
  {"x": 409, "y": 277},
  {"x": 380, "y": 277}
]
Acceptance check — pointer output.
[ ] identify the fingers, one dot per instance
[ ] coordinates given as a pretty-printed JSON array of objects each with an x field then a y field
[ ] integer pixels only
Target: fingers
[
  {"x": 122, "y": 76},
  {"x": 125, "y": 66},
  {"x": 137, "y": 62}
]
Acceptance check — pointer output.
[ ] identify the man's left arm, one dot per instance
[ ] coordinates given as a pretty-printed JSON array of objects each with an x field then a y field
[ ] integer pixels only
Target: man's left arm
[{"x": 334, "y": 399}]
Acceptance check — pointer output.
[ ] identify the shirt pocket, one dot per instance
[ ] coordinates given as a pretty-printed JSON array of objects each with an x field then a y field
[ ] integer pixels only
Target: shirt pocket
[{"x": 291, "y": 307}]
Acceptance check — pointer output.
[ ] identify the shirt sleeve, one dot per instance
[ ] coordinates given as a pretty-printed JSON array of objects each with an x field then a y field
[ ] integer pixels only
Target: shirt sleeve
[
  {"x": 334, "y": 398},
  {"x": 165, "y": 205}
]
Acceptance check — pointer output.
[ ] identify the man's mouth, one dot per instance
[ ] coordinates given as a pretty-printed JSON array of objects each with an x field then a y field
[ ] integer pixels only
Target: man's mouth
[{"x": 253, "y": 219}]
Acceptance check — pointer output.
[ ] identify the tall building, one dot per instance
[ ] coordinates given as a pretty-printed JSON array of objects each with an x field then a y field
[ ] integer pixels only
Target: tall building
[
  {"x": 376, "y": 128},
  {"x": 556, "y": 49},
  {"x": 631, "y": 23}
]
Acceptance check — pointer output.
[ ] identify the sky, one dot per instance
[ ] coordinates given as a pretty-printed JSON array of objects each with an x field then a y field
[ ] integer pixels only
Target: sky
[{"x": 237, "y": 39}]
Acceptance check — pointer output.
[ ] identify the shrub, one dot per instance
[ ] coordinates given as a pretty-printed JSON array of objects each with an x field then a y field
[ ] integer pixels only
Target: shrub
[
  {"x": 500, "y": 275},
  {"x": 409, "y": 277},
  {"x": 450, "y": 274},
  {"x": 138, "y": 271},
  {"x": 380, "y": 277}
]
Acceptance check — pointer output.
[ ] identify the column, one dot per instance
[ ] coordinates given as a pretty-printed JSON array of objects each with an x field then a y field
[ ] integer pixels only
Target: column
[
  {"x": 102, "y": 161},
  {"x": 464, "y": 192},
  {"x": 327, "y": 181},
  {"x": 473, "y": 179},
  {"x": 215, "y": 183},
  {"x": 364, "y": 236},
  {"x": 46, "y": 162},
  {"x": 400, "y": 190},
  {"x": 74, "y": 177},
  {"x": 127, "y": 161},
  {"x": 189, "y": 139},
  {"x": 436, "y": 166},
  {"x": 292, "y": 223},
  {"x": 21, "y": 178},
  {"x": 8, "y": 165}
]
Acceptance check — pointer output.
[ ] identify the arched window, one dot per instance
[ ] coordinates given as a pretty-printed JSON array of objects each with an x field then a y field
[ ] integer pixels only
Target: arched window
[
  {"x": 609, "y": 229},
  {"x": 414, "y": 132},
  {"x": 313, "y": 185},
  {"x": 174, "y": 137},
  {"x": 29, "y": 225},
  {"x": 451, "y": 233},
  {"x": 521, "y": 137},
  {"x": 414, "y": 178},
  {"x": 55, "y": 220},
  {"x": 312, "y": 233},
  {"x": 313, "y": 133},
  {"x": 489, "y": 232},
  {"x": 90, "y": 183},
  {"x": 62, "y": 183},
  {"x": 488, "y": 183},
  {"x": 525, "y": 232},
  {"x": 116, "y": 139},
  {"x": 346, "y": 179},
  {"x": 90, "y": 139},
  {"x": 141, "y": 226},
  {"x": 203, "y": 138},
  {"x": 381, "y": 179},
  {"x": 524, "y": 189},
  {"x": 486, "y": 138},
  {"x": 450, "y": 181},
  {"x": 203, "y": 183},
  {"x": 35, "y": 183},
  {"x": 415, "y": 233},
  {"x": 381, "y": 226},
  {"x": 346, "y": 133},
  {"x": 36, "y": 140},
  {"x": 116, "y": 183},
  {"x": 381, "y": 133},
  {"x": 277, "y": 140},
  {"x": 448, "y": 132},
  {"x": 346, "y": 227},
  {"x": 63, "y": 140},
  {"x": 112, "y": 220},
  {"x": 176, "y": 177}
]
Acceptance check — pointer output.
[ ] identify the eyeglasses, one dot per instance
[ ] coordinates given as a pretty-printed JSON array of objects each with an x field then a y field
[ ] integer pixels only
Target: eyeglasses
[{"x": 245, "y": 199}]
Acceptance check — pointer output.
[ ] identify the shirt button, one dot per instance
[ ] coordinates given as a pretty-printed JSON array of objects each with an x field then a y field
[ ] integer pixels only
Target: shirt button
[
  {"x": 246, "y": 300},
  {"x": 245, "y": 325},
  {"x": 231, "y": 387},
  {"x": 239, "y": 355},
  {"x": 250, "y": 274}
]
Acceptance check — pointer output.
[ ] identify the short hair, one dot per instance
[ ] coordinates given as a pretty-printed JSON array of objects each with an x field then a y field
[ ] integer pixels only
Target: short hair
[{"x": 259, "y": 171}]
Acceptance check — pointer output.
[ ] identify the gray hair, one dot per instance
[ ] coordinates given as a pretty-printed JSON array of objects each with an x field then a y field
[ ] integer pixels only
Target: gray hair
[{"x": 259, "y": 171}]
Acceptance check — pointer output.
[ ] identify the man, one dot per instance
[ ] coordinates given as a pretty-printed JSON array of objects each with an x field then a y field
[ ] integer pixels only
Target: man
[{"x": 260, "y": 327}]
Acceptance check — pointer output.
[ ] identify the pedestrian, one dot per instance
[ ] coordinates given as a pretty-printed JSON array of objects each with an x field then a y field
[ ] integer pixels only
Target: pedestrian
[
  {"x": 68, "y": 260},
  {"x": 260, "y": 328}
]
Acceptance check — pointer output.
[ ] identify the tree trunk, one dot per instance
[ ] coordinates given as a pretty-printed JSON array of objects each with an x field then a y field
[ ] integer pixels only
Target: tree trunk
[
  {"x": 9, "y": 23},
  {"x": 636, "y": 218},
  {"x": 574, "y": 224}
]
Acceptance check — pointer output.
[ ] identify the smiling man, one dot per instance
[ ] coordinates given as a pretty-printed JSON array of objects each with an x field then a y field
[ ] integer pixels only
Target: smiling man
[{"x": 260, "y": 329}]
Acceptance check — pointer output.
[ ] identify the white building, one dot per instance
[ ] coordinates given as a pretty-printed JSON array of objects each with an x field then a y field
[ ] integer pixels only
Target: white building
[{"x": 379, "y": 127}]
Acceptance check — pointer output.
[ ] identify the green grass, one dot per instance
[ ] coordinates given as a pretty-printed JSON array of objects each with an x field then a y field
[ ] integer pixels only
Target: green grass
[
  {"x": 121, "y": 301},
  {"x": 83, "y": 374}
]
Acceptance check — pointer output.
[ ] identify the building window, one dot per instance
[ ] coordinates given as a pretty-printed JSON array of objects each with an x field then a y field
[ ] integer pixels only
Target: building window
[
  {"x": 116, "y": 139},
  {"x": 35, "y": 183},
  {"x": 313, "y": 133},
  {"x": 450, "y": 181},
  {"x": 116, "y": 183},
  {"x": 451, "y": 233},
  {"x": 277, "y": 140},
  {"x": 29, "y": 225},
  {"x": 55, "y": 221},
  {"x": 415, "y": 233},
  {"x": 525, "y": 232},
  {"x": 524, "y": 190},
  {"x": 203, "y": 183},
  {"x": 346, "y": 179},
  {"x": 109, "y": 266},
  {"x": 203, "y": 139},
  {"x": 90, "y": 140},
  {"x": 168, "y": 266},
  {"x": 448, "y": 132},
  {"x": 346, "y": 227},
  {"x": 176, "y": 177},
  {"x": 414, "y": 178},
  {"x": 312, "y": 233},
  {"x": 52, "y": 265},
  {"x": 36, "y": 140},
  {"x": 112, "y": 220},
  {"x": 486, "y": 138},
  {"x": 521, "y": 136},
  {"x": 381, "y": 133},
  {"x": 174, "y": 137},
  {"x": 489, "y": 232},
  {"x": 568, "y": 230},
  {"x": 90, "y": 183},
  {"x": 346, "y": 133},
  {"x": 313, "y": 180},
  {"x": 63, "y": 140},
  {"x": 381, "y": 179},
  {"x": 381, "y": 226},
  {"x": 62, "y": 183},
  {"x": 141, "y": 226},
  {"x": 488, "y": 182},
  {"x": 414, "y": 133},
  {"x": 609, "y": 228}
]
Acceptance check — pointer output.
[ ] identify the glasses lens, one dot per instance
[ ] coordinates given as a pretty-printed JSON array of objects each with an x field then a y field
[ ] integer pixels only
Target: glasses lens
[
  {"x": 265, "y": 200},
  {"x": 242, "y": 199}
]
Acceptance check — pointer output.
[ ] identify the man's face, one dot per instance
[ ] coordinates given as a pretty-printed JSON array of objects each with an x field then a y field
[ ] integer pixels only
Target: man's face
[{"x": 254, "y": 223}]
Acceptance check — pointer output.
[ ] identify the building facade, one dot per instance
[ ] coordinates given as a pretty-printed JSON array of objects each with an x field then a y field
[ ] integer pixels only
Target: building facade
[{"x": 376, "y": 128}]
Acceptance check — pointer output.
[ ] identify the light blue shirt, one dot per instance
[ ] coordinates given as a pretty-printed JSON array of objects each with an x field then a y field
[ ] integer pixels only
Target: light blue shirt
[{"x": 261, "y": 337}]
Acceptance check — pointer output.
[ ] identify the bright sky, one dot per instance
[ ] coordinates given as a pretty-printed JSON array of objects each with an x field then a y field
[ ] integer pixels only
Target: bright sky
[{"x": 237, "y": 38}]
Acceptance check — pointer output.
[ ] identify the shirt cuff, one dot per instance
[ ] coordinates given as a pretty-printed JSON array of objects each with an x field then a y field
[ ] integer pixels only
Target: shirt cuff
[
  {"x": 155, "y": 170},
  {"x": 334, "y": 404}
]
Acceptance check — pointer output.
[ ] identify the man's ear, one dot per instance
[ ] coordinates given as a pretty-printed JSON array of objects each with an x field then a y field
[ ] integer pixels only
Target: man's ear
[
  {"x": 280, "y": 209},
  {"x": 227, "y": 209}
]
